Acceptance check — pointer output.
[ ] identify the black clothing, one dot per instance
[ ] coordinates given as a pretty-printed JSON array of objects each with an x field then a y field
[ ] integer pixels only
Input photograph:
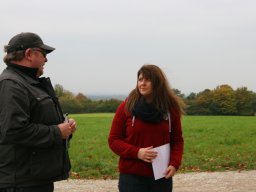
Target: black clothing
[
  {"x": 40, "y": 188},
  {"x": 147, "y": 112},
  {"x": 136, "y": 183},
  {"x": 32, "y": 151},
  {"x": 32, "y": 72}
]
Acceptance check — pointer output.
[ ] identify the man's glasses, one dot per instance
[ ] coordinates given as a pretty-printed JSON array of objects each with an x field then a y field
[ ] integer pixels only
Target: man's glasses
[{"x": 40, "y": 50}]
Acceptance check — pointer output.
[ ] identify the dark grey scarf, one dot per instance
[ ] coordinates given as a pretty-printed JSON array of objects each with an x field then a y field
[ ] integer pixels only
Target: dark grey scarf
[{"x": 147, "y": 112}]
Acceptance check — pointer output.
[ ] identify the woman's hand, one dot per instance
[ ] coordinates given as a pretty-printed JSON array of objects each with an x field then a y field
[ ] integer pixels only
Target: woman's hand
[
  {"x": 170, "y": 171},
  {"x": 147, "y": 154}
]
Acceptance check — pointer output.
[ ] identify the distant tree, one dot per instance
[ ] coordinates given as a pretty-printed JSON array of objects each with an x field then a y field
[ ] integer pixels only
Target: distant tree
[
  {"x": 68, "y": 102},
  {"x": 223, "y": 101},
  {"x": 254, "y": 103},
  {"x": 81, "y": 98},
  {"x": 190, "y": 101},
  {"x": 244, "y": 101},
  {"x": 191, "y": 96},
  {"x": 111, "y": 105},
  {"x": 70, "y": 105},
  {"x": 59, "y": 90},
  {"x": 81, "y": 102},
  {"x": 198, "y": 104},
  {"x": 178, "y": 92},
  {"x": 203, "y": 102}
]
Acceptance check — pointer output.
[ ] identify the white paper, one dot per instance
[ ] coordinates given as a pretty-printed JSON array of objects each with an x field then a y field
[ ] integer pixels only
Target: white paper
[{"x": 160, "y": 163}]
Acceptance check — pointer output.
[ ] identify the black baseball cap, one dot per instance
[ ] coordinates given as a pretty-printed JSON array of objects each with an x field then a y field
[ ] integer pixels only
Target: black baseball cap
[{"x": 26, "y": 40}]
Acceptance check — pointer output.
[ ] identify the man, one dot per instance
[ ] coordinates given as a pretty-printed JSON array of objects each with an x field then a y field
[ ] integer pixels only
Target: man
[{"x": 33, "y": 134}]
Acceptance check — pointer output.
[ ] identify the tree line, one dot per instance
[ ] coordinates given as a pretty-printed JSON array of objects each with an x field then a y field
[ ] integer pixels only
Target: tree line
[
  {"x": 80, "y": 103},
  {"x": 223, "y": 100}
]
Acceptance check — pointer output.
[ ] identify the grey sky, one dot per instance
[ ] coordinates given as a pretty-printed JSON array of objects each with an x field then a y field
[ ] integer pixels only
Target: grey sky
[{"x": 101, "y": 44}]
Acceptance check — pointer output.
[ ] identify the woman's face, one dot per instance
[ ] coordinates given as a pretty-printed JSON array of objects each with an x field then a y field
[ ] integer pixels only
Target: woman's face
[{"x": 145, "y": 86}]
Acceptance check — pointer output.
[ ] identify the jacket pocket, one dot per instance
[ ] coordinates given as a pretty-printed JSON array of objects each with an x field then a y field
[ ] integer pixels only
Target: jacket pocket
[
  {"x": 44, "y": 110},
  {"x": 45, "y": 164}
]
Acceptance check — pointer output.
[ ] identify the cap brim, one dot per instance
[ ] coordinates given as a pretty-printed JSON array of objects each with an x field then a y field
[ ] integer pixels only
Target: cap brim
[{"x": 47, "y": 48}]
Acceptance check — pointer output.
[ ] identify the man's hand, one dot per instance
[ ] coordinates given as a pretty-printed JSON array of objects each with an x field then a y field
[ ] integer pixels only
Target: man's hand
[
  {"x": 72, "y": 124},
  {"x": 67, "y": 128}
]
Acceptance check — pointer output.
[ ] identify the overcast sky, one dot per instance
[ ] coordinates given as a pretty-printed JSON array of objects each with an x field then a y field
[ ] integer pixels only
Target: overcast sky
[{"x": 101, "y": 44}]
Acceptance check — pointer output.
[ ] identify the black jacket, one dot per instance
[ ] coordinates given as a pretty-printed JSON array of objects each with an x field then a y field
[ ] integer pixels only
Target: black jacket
[{"x": 32, "y": 151}]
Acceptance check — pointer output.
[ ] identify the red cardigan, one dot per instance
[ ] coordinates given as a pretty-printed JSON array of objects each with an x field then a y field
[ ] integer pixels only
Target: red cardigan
[{"x": 125, "y": 140}]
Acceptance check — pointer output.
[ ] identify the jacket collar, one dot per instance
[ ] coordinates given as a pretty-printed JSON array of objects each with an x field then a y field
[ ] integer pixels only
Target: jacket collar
[{"x": 29, "y": 74}]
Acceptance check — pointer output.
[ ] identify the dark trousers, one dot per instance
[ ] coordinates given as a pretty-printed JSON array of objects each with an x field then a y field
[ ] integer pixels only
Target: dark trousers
[
  {"x": 41, "y": 188},
  {"x": 135, "y": 183}
]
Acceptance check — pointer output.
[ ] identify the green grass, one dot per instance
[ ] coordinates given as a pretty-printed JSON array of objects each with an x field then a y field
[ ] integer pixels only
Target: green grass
[
  {"x": 212, "y": 143},
  {"x": 217, "y": 143},
  {"x": 89, "y": 151}
]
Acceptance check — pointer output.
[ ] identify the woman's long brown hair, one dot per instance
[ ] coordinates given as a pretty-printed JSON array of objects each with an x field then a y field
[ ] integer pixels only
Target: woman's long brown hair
[{"x": 164, "y": 97}]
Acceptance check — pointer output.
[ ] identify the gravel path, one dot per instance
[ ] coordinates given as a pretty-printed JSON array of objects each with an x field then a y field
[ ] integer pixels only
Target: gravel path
[{"x": 230, "y": 181}]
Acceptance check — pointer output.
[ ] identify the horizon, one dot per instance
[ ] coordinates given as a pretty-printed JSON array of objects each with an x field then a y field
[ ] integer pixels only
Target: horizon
[{"x": 123, "y": 96}]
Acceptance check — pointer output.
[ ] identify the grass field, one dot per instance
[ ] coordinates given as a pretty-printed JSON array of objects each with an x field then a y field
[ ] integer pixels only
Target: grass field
[{"x": 212, "y": 143}]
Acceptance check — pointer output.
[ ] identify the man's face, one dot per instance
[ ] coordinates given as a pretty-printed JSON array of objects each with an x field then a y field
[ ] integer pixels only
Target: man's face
[{"x": 38, "y": 60}]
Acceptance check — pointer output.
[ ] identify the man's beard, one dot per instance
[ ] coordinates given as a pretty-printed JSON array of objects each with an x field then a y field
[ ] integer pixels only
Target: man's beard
[{"x": 39, "y": 72}]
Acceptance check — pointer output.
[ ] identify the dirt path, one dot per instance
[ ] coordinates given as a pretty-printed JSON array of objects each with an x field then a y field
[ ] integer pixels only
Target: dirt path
[{"x": 231, "y": 181}]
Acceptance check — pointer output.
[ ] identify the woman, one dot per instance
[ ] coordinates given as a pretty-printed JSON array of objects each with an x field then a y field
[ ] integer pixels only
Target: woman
[{"x": 143, "y": 122}]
